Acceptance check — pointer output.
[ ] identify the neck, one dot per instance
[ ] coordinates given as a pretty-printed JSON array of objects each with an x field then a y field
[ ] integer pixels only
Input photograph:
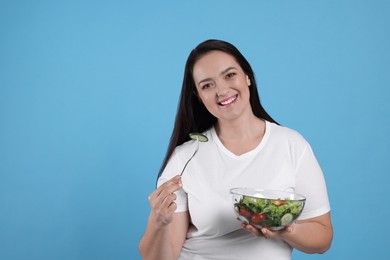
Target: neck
[{"x": 242, "y": 129}]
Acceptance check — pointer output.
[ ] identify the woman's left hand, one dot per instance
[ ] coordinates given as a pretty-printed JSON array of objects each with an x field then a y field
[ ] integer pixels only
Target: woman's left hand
[
  {"x": 267, "y": 233},
  {"x": 311, "y": 236}
]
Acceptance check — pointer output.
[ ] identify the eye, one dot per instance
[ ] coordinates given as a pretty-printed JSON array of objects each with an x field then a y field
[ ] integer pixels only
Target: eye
[
  {"x": 207, "y": 85},
  {"x": 230, "y": 75}
]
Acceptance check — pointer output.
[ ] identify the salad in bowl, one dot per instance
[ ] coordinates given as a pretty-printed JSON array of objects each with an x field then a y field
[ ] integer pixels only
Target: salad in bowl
[{"x": 267, "y": 208}]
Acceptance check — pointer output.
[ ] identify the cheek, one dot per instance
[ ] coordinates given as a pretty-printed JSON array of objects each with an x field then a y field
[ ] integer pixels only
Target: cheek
[
  {"x": 206, "y": 99},
  {"x": 208, "y": 102}
]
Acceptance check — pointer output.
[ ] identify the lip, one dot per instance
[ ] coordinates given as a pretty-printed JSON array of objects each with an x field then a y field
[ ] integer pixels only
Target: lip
[{"x": 228, "y": 101}]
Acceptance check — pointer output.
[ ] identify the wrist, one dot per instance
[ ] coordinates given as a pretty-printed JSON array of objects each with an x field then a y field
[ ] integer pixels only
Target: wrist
[
  {"x": 288, "y": 232},
  {"x": 157, "y": 224}
]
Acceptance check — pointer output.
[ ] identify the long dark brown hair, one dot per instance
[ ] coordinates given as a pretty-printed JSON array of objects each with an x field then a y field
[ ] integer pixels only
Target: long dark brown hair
[{"x": 192, "y": 115}]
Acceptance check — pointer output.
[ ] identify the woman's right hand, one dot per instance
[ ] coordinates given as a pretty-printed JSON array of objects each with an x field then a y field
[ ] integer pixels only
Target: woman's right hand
[{"x": 162, "y": 201}]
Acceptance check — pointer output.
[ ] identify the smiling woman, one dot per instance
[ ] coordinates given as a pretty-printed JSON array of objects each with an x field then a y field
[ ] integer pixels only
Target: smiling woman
[
  {"x": 246, "y": 148},
  {"x": 222, "y": 86}
]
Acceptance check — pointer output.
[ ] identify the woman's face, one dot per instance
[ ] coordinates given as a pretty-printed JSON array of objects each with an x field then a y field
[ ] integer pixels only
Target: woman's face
[{"x": 222, "y": 85}]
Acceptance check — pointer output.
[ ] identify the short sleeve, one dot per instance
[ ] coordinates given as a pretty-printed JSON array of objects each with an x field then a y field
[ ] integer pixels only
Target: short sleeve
[
  {"x": 170, "y": 171},
  {"x": 310, "y": 182}
]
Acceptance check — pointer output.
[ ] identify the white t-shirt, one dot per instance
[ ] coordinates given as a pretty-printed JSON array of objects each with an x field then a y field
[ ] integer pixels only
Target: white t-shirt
[{"x": 282, "y": 161}]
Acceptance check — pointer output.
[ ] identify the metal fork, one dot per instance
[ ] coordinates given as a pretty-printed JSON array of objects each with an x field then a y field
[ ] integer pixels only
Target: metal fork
[{"x": 196, "y": 150}]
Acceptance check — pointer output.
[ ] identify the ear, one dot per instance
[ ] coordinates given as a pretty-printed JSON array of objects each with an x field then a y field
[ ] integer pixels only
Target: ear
[{"x": 248, "y": 81}]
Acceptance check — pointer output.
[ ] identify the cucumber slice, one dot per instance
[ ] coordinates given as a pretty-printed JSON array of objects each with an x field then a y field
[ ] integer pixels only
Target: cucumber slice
[
  {"x": 198, "y": 136},
  {"x": 286, "y": 219}
]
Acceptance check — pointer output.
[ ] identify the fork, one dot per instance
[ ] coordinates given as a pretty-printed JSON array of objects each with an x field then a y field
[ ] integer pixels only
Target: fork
[{"x": 196, "y": 150}]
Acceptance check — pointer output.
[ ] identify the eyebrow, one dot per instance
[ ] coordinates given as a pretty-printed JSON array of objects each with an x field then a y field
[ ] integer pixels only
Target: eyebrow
[{"x": 222, "y": 72}]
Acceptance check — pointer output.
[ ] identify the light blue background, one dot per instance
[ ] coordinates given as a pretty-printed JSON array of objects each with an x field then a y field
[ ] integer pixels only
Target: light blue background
[{"x": 88, "y": 95}]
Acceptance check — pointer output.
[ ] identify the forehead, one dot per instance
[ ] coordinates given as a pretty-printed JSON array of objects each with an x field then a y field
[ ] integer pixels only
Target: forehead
[{"x": 213, "y": 63}]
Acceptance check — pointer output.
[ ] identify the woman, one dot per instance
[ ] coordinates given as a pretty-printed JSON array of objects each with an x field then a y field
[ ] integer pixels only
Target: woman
[{"x": 191, "y": 215}]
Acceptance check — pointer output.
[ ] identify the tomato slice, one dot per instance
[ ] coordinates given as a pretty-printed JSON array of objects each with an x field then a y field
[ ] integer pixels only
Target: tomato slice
[
  {"x": 257, "y": 218},
  {"x": 245, "y": 213}
]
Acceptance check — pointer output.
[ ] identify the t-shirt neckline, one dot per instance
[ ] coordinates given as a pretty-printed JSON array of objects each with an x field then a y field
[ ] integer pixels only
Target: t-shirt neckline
[{"x": 253, "y": 152}]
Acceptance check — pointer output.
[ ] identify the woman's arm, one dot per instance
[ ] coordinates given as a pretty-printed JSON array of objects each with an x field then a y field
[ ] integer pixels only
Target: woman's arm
[
  {"x": 310, "y": 236},
  {"x": 166, "y": 231}
]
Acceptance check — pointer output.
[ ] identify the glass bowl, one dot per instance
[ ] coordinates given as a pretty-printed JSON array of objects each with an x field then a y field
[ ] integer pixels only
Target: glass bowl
[{"x": 267, "y": 208}]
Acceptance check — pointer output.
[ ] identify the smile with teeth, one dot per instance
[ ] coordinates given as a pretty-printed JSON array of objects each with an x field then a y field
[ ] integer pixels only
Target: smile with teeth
[{"x": 228, "y": 101}]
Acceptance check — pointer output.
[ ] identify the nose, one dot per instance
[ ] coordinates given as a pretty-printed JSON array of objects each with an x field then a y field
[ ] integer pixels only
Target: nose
[{"x": 222, "y": 89}]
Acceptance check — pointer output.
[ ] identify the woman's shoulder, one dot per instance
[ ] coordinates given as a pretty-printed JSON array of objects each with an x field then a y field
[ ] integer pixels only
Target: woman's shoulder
[{"x": 284, "y": 133}]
